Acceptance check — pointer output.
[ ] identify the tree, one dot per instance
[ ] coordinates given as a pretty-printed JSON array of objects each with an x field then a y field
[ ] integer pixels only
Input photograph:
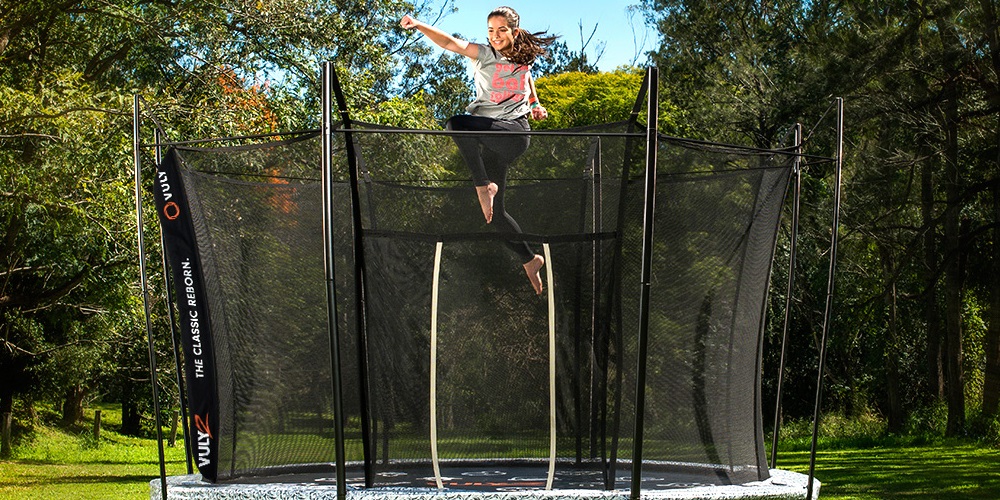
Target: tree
[
  {"x": 989, "y": 68},
  {"x": 938, "y": 115},
  {"x": 922, "y": 84},
  {"x": 578, "y": 99},
  {"x": 727, "y": 66},
  {"x": 65, "y": 251},
  {"x": 68, "y": 70}
]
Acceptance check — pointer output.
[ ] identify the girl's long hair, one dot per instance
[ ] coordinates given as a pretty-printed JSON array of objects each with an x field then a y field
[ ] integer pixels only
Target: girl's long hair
[{"x": 527, "y": 46}]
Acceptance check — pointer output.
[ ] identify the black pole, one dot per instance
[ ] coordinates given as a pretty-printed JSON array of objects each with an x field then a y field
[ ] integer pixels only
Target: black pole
[
  {"x": 175, "y": 342},
  {"x": 828, "y": 312},
  {"x": 596, "y": 318},
  {"x": 359, "y": 278},
  {"x": 174, "y": 336},
  {"x": 793, "y": 252},
  {"x": 144, "y": 285},
  {"x": 331, "y": 285},
  {"x": 652, "y": 144},
  {"x": 615, "y": 308},
  {"x": 576, "y": 383}
]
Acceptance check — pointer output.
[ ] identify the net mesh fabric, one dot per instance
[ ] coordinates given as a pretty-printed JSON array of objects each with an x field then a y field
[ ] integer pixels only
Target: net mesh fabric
[
  {"x": 257, "y": 219},
  {"x": 260, "y": 237},
  {"x": 492, "y": 355},
  {"x": 716, "y": 220}
]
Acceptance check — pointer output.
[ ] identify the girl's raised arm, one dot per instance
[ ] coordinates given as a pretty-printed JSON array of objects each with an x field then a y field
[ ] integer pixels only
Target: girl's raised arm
[{"x": 442, "y": 39}]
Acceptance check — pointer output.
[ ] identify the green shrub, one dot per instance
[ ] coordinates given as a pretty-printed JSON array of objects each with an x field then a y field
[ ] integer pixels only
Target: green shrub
[{"x": 928, "y": 420}]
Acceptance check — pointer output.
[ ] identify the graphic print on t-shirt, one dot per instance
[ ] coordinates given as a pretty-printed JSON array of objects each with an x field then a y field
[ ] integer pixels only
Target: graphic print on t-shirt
[{"x": 511, "y": 87}]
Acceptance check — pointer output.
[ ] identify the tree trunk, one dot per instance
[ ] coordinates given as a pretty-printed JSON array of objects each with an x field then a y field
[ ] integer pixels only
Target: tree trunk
[
  {"x": 72, "y": 407},
  {"x": 6, "y": 401},
  {"x": 991, "y": 382},
  {"x": 892, "y": 378},
  {"x": 932, "y": 315},
  {"x": 954, "y": 374},
  {"x": 131, "y": 418},
  {"x": 6, "y": 410}
]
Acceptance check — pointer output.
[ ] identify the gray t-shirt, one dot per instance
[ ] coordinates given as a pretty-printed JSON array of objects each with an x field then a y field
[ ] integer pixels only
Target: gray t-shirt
[{"x": 501, "y": 86}]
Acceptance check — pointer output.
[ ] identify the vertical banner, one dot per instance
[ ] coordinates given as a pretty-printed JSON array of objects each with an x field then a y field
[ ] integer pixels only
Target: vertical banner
[{"x": 192, "y": 312}]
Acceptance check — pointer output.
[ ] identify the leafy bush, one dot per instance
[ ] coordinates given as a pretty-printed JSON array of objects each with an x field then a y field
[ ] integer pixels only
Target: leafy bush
[{"x": 928, "y": 420}]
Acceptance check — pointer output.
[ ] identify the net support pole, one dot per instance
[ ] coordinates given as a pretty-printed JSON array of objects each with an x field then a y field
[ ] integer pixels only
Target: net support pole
[
  {"x": 610, "y": 470},
  {"x": 576, "y": 387},
  {"x": 597, "y": 222},
  {"x": 793, "y": 252},
  {"x": 551, "y": 295},
  {"x": 175, "y": 340},
  {"x": 435, "y": 283},
  {"x": 144, "y": 285},
  {"x": 331, "y": 284},
  {"x": 353, "y": 168},
  {"x": 652, "y": 144},
  {"x": 828, "y": 311}
]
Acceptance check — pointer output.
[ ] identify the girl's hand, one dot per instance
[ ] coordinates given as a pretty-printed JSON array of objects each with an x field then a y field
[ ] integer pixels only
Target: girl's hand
[
  {"x": 408, "y": 22},
  {"x": 539, "y": 113}
]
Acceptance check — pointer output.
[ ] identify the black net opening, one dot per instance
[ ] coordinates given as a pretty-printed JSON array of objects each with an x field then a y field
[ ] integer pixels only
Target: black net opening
[{"x": 429, "y": 257}]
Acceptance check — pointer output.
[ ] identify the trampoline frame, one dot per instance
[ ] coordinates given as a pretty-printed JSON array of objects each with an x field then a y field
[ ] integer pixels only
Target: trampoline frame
[{"x": 332, "y": 91}]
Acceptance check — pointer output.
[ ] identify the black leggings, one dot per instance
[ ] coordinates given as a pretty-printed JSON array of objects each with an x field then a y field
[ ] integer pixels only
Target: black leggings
[{"x": 488, "y": 158}]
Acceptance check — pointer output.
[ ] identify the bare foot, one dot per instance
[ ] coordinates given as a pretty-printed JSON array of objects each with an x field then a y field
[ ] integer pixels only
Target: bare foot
[
  {"x": 486, "y": 194},
  {"x": 532, "y": 268}
]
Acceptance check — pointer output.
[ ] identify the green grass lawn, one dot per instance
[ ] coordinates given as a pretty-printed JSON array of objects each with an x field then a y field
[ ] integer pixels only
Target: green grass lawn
[
  {"x": 64, "y": 465},
  {"x": 950, "y": 470},
  {"x": 59, "y": 464}
]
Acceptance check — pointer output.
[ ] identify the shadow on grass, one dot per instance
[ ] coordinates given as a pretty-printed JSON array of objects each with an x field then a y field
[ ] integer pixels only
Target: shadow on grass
[
  {"x": 905, "y": 472},
  {"x": 152, "y": 463},
  {"x": 41, "y": 480}
]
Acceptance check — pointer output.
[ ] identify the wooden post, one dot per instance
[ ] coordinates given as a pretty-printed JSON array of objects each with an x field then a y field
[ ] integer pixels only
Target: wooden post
[
  {"x": 172, "y": 440},
  {"x": 97, "y": 426},
  {"x": 5, "y": 444}
]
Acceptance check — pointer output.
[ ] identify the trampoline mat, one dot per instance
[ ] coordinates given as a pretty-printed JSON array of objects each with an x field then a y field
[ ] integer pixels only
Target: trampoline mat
[
  {"x": 499, "y": 477},
  {"x": 522, "y": 478}
]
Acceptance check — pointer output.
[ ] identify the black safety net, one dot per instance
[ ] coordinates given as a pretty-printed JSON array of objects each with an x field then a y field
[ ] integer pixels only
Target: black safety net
[
  {"x": 494, "y": 338},
  {"x": 450, "y": 361},
  {"x": 256, "y": 218}
]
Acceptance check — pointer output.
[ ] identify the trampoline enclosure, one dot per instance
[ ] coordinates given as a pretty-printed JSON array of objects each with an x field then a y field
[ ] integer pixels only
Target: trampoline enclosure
[{"x": 245, "y": 240}]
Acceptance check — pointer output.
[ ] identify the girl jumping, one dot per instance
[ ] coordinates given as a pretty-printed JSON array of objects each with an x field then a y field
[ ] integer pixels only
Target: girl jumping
[{"x": 505, "y": 97}]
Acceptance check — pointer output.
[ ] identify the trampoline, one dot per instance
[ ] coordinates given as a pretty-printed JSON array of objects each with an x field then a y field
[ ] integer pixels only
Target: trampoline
[{"x": 346, "y": 325}]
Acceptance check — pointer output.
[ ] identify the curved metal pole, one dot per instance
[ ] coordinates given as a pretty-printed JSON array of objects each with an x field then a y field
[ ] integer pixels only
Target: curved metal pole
[
  {"x": 331, "y": 285},
  {"x": 436, "y": 281},
  {"x": 793, "y": 252},
  {"x": 551, "y": 296},
  {"x": 652, "y": 144},
  {"x": 828, "y": 313},
  {"x": 144, "y": 285}
]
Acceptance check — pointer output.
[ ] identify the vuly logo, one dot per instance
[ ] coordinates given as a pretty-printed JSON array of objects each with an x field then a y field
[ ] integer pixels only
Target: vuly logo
[
  {"x": 204, "y": 439},
  {"x": 171, "y": 210}
]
